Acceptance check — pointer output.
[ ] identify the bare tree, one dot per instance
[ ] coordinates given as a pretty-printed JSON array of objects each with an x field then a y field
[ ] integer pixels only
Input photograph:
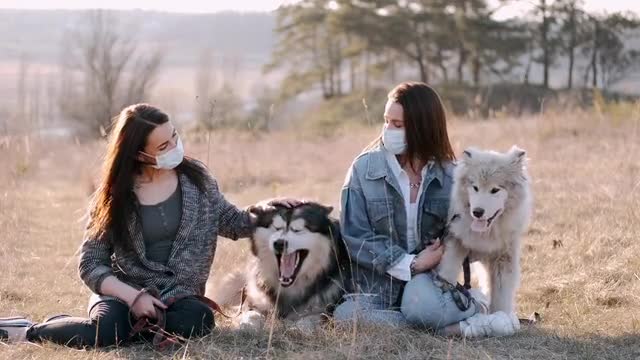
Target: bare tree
[
  {"x": 35, "y": 107},
  {"x": 260, "y": 117},
  {"x": 4, "y": 122},
  {"x": 51, "y": 96},
  {"x": 21, "y": 106},
  {"x": 218, "y": 103},
  {"x": 205, "y": 83},
  {"x": 113, "y": 71}
]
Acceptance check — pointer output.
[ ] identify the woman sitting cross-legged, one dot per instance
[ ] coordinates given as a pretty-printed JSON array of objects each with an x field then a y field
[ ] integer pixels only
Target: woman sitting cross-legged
[
  {"x": 149, "y": 243},
  {"x": 395, "y": 202}
]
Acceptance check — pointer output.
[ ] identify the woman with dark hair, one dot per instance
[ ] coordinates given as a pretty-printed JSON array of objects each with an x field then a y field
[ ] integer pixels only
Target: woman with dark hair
[
  {"x": 395, "y": 202},
  {"x": 150, "y": 240}
]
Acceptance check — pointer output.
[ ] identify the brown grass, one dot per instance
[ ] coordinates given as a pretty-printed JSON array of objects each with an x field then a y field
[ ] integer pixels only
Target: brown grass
[{"x": 580, "y": 265}]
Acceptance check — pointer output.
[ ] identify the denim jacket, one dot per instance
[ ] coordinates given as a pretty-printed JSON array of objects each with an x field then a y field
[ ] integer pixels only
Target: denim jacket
[{"x": 373, "y": 220}]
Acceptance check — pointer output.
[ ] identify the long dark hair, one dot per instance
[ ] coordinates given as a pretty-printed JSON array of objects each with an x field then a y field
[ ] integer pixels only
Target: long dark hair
[
  {"x": 114, "y": 200},
  {"x": 425, "y": 123}
]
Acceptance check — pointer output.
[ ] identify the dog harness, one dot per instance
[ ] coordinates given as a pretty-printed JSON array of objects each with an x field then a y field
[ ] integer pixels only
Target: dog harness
[{"x": 459, "y": 293}]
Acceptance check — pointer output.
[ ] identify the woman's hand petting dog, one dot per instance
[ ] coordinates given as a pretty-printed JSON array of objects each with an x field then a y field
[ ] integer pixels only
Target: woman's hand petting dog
[
  {"x": 286, "y": 202},
  {"x": 430, "y": 257},
  {"x": 266, "y": 205}
]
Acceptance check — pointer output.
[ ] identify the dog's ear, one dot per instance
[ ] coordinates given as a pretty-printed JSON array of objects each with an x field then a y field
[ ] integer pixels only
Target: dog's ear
[
  {"x": 517, "y": 155},
  {"x": 328, "y": 209},
  {"x": 467, "y": 154}
]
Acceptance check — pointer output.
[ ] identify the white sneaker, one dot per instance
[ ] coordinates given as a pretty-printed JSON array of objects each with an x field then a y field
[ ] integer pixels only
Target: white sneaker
[{"x": 496, "y": 324}]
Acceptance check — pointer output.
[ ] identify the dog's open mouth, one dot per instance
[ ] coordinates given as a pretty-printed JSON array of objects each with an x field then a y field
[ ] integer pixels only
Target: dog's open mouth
[
  {"x": 289, "y": 265},
  {"x": 482, "y": 225}
]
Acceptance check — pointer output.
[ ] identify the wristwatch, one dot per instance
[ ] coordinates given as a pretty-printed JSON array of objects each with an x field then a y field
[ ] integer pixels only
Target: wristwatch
[{"x": 412, "y": 266}]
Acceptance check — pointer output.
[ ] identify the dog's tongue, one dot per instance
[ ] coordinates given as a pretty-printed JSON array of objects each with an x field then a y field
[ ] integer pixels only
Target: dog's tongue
[
  {"x": 288, "y": 264},
  {"x": 479, "y": 225}
]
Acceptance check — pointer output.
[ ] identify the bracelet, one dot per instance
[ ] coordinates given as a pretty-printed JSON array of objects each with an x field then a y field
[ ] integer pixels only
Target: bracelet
[
  {"x": 412, "y": 266},
  {"x": 138, "y": 296}
]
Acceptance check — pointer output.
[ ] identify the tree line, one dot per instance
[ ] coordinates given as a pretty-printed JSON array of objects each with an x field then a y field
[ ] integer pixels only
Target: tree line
[{"x": 343, "y": 46}]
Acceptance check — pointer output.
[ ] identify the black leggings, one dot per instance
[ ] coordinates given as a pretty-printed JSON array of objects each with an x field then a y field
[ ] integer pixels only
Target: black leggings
[{"x": 109, "y": 324}]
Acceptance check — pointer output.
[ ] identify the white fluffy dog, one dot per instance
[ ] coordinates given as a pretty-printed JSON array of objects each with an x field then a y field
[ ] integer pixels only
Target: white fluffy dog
[{"x": 490, "y": 208}]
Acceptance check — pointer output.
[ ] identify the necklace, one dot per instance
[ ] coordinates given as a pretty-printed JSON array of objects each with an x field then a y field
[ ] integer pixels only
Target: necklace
[{"x": 409, "y": 171}]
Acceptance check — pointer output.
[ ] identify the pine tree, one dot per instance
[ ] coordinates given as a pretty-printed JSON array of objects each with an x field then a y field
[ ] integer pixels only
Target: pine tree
[{"x": 310, "y": 48}]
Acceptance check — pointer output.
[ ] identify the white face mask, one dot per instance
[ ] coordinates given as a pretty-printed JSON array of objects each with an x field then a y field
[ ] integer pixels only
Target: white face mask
[
  {"x": 171, "y": 158},
  {"x": 394, "y": 140}
]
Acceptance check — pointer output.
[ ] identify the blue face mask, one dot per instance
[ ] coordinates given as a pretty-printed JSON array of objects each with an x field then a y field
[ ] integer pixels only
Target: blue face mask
[{"x": 394, "y": 140}]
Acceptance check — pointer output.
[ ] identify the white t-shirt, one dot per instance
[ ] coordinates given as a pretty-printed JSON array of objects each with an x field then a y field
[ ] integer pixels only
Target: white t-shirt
[{"x": 402, "y": 269}]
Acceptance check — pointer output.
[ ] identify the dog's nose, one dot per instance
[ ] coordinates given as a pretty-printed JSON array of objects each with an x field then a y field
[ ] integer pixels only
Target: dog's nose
[
  {"x": 478, "y": 212},
  {"x": 279, "y": 245}
]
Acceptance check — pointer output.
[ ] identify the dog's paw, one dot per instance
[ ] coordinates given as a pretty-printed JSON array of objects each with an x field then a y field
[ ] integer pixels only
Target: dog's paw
[{"x": 251, "y": 320}]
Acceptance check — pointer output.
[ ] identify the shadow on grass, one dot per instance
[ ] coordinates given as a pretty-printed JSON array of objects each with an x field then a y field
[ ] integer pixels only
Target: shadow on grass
[{"x": 387, "y": 343}]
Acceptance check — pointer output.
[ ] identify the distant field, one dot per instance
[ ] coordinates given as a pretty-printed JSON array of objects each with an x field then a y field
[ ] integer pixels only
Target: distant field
[
  {"x": 581, "y": 269},
  {"x": 175, "y": 88}
]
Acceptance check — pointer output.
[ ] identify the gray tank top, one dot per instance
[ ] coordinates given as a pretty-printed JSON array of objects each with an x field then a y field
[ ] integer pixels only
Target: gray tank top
[{"x": 160, "y": 224}]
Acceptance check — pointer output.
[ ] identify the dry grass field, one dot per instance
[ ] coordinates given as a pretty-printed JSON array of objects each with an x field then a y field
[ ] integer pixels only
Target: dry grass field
[{"x": 581, "y": 264}]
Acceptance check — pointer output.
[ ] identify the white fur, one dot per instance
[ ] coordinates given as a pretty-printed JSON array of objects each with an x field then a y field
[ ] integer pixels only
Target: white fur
[
  {"x": 497, "y": 247},
  {"x": 251, "y": 320}
]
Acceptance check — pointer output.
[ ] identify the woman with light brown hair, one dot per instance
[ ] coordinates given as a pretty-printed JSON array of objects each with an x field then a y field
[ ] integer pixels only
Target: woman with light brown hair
[
  {"x": 150, "y": 241},
  {"x": 395, "y": 203}
]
